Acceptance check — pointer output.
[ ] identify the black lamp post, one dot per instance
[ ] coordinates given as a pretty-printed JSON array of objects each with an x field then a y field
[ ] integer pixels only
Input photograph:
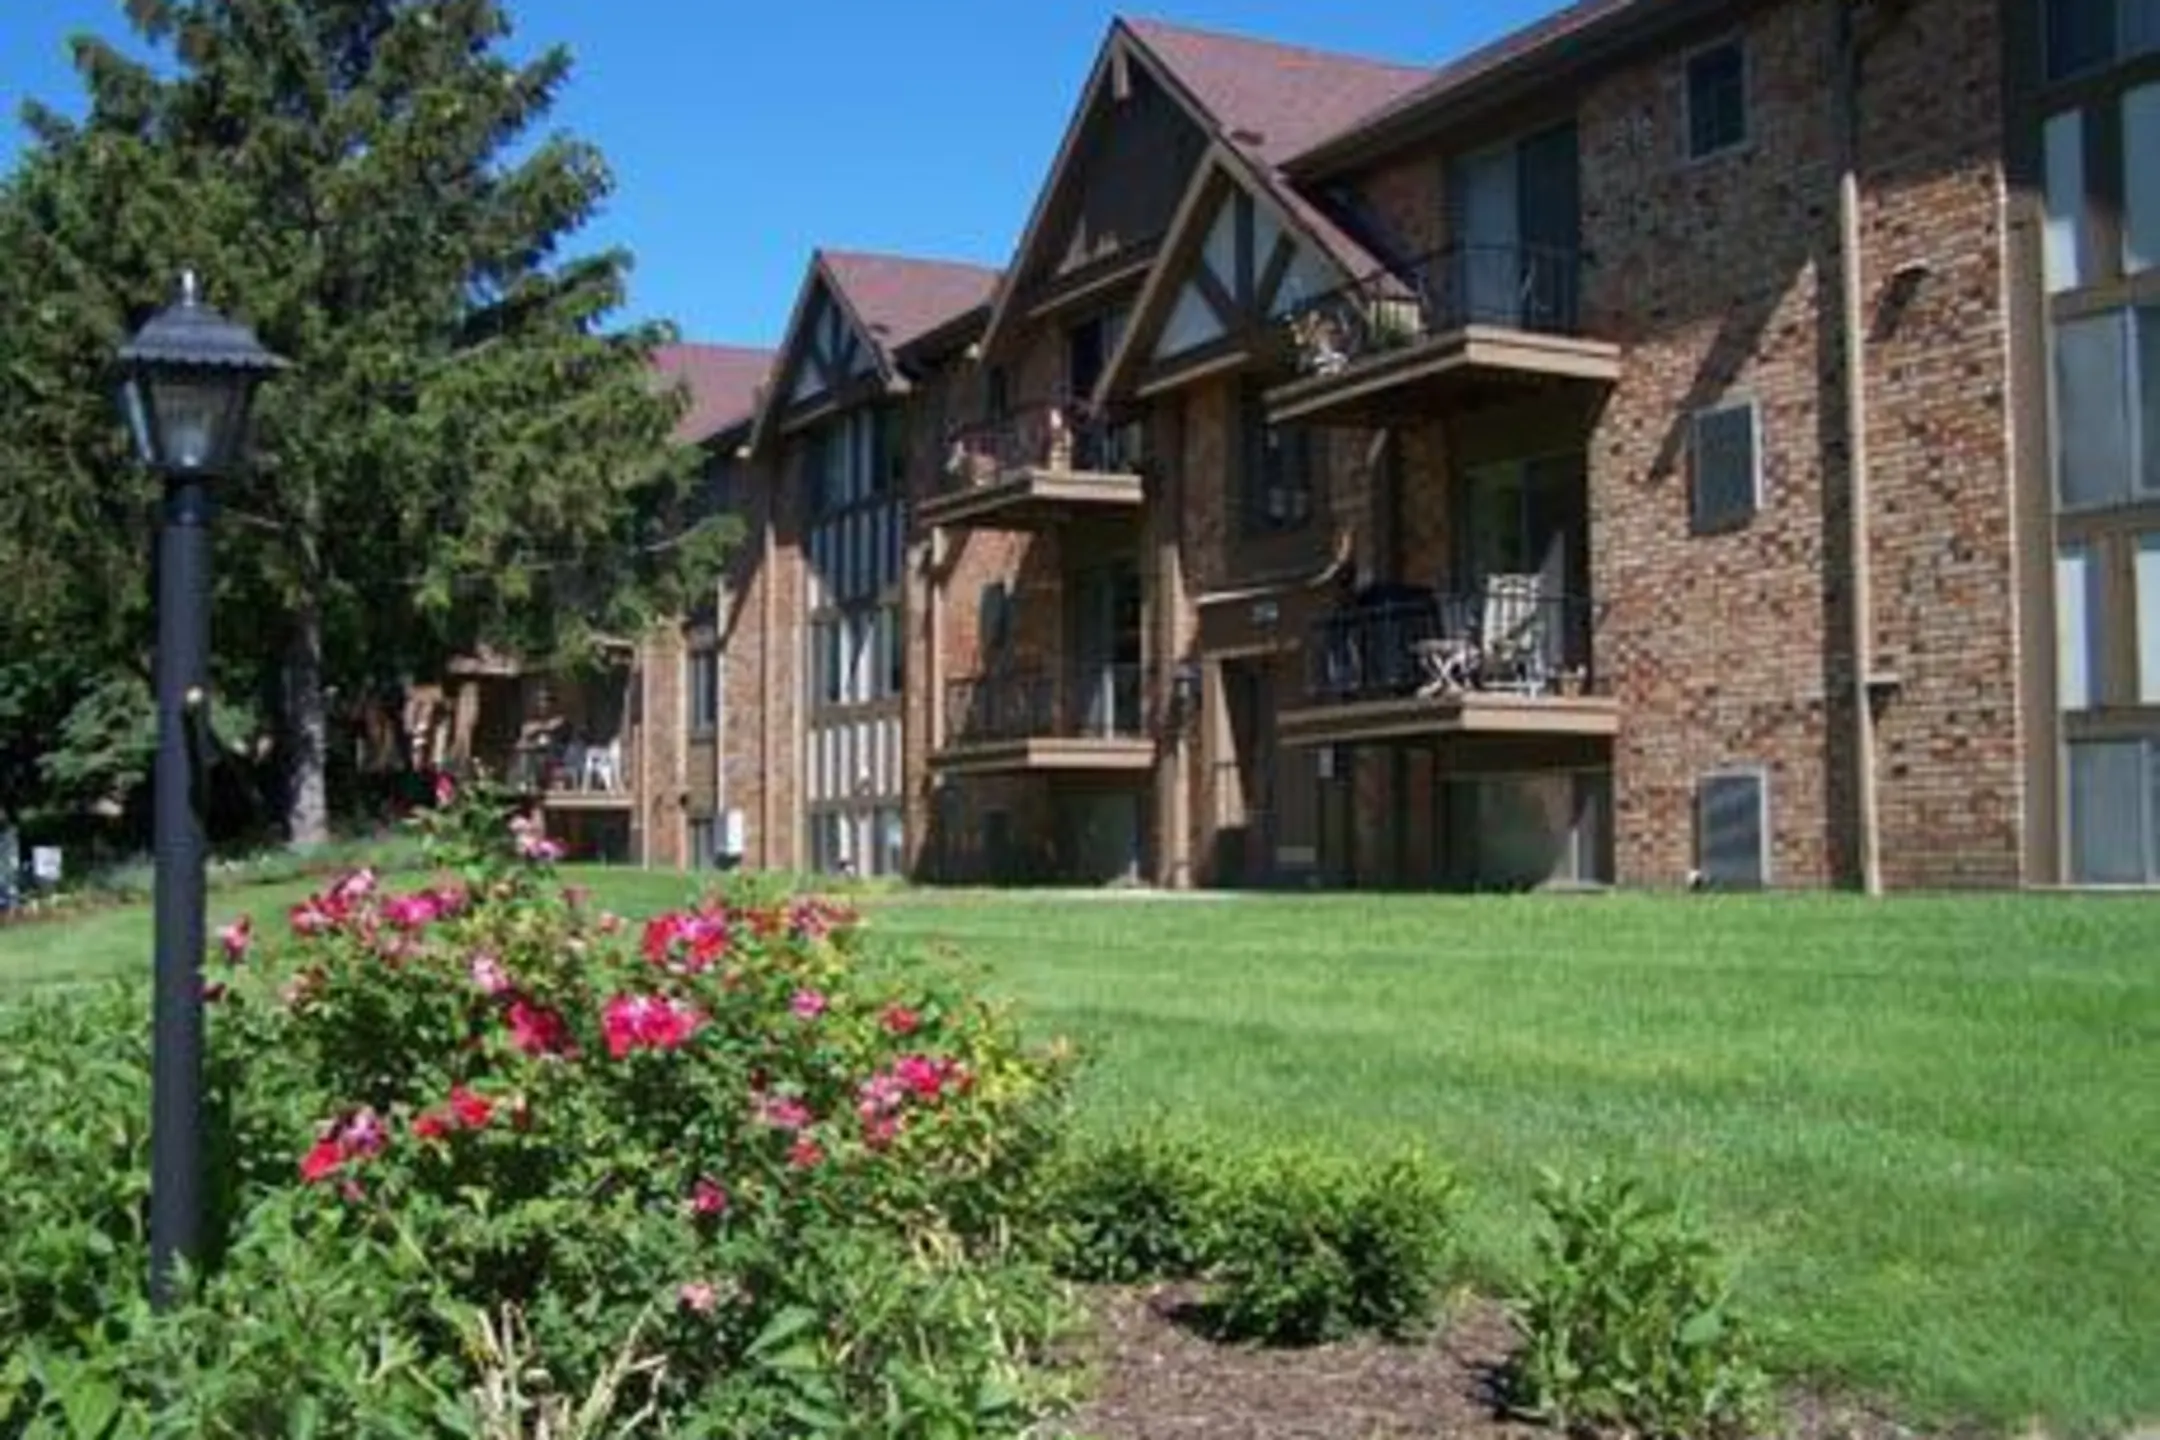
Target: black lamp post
[{"x": 190, "y": 377}]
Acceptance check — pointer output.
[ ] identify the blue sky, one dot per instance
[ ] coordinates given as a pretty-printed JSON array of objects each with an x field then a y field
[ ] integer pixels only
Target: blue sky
[{"x": 742, "y": 134}]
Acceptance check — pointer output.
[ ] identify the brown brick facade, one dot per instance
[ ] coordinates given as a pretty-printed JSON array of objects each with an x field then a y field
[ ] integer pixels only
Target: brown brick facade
[{"x": 1719, "y": 280}]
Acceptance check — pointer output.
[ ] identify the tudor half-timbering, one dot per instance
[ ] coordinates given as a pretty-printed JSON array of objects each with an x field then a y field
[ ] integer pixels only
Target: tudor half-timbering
[
  {"x": 833, "y": 434},
  {"x": 1688, "y": 438},
  {"x": 1072, "y": 689}
]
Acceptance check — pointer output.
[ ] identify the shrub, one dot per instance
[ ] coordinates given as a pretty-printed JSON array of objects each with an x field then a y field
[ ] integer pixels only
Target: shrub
[
  {"x": 1133, "y": 1207},
  {"x": 1311, "y": 1249},
  {"x": 1628, "y": 1320},
  {"x": 481, "y": 1154}
]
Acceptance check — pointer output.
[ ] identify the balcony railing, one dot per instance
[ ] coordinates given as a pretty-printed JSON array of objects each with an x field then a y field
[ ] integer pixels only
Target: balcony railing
[
  {"x": 1513, "y": 287},
  {"x": 573, "y": 768},
  {"x": 1400, "y": 643},
  {"x": 1086, "y": 702},
  {"x": 1058, "y": 437}
]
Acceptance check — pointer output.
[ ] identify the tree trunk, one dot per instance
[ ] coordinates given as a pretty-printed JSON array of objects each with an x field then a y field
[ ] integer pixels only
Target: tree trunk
[{"x": 307, "y": 800}]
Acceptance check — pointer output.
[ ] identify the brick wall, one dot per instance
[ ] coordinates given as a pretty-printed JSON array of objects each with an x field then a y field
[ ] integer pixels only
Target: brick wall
[
  {"x": 1722, "y": 279},
  {"x": 761, "y": 643},
  {"x": 1948, "y": 742},
  {"x": 945, "y": 836},
  {"x": 662, "y": 749}
]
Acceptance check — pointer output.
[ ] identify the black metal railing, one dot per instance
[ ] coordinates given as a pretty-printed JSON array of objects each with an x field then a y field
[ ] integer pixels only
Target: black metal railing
[
  {"x": 1060, "y": 436},
  {"x": 1398, "y": 641},
  {"x": 1513, "y": 287},
  {"x": 1081, "y": 702}
]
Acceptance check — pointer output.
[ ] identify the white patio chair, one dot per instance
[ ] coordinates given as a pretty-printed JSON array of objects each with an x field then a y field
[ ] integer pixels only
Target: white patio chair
[
  {"x": 1512, "y": 642},
  {"x": 602, "y": 770}
]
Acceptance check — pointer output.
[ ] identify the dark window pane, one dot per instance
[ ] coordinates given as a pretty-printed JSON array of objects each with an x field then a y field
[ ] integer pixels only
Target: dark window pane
[
  {"x": 1724, "y": 464},
  {"x": 2152, "y": 811},
  {"x": 2140, "y": 27},
  {"x": 2148, "y": 384},
  {"x": 1730, "y": 832},
  {"x": 2108, "y": 796},
  {"x": 2092, "y": 413},
  {"x": 2080, "y": 36},
  {"x": 895, "y": 652},
  {"x": 1717, "y": 99}
]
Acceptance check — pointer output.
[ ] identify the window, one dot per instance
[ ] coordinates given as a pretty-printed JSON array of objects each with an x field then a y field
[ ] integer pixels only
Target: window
[
  {"x": 2063, "y": 259},
  {"x": 858, "y": 632},
  {"x": 2077, "y": 612},
  {"x": 2148, "y": 617},
  {"x": 1732, "y": 832},
  {"x": 1724, "y": 456},
  {"x": 1278, "y": 469},
  {"x": 2147, "y": 586},
  {"x": 2115, "y": 812},
  {"x": 892, "y": 637},
  {"x": 857, "y": 458},
  {"x": 704, "y": 682},
  {"x": 2141, "y": 179},
  {"x": 2101, "y": 184},
  {"x": 889, "y": 827},
  {"x": 830, "y": 844},
  {"x": 995, "y": 618},
  {"x": 2107, "y": 407},
  {"x": 1716, "y": 99},
  {"x": 2083, "y": 35}
]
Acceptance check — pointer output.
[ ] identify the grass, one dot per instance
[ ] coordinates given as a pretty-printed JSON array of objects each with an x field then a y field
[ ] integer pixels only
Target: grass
[{"x": 1929, "y": 1129}]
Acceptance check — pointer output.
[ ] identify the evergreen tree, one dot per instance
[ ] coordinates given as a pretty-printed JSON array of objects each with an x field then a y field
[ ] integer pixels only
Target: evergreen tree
[{"x": 466, "y": 454}]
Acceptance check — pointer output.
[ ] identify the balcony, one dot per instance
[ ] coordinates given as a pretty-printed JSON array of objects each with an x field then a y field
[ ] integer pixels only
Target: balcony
[
  {"x": 1036, "y": 467},
  {"x": 1464, "y": 327},
  {"x": 575, "y": 774},
  {"x": 1508, "y": 662},
  {"x": 1087, "y": 718}
]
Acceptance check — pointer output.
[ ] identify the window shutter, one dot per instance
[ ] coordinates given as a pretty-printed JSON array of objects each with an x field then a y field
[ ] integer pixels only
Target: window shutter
[
  {"x": 1731, "y": 830},
  {"x": 1724, "y": 463}
]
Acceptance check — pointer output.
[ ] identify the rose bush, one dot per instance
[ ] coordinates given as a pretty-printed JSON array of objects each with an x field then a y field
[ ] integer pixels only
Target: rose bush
[{"x": 733, "y": 1168}]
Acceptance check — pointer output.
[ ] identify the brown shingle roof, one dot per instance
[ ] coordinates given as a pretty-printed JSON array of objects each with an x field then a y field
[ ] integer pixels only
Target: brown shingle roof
[
  {"x": 722, "y": 380},
  {"x": 1271, "y": 101},
  {"x": 1284, "y": 97},
  {"x": 1568, "y": 30},
  {"x": 901, "y": 298}
]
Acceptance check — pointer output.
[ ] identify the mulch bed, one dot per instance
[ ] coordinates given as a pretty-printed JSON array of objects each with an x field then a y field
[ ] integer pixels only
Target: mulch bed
[{"x": 1157, "y": 1377}]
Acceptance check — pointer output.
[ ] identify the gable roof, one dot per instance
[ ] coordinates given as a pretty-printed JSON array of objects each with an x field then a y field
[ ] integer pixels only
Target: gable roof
[
  {"x": 900, "y": 298},
  {"x": 722, "y": 381},
  {"x": 1579, "y": 34},
  {"x": 886, "y": 300},
  {"x": 1274, "y": 100},
  {"x": 1263, "y": 99}
]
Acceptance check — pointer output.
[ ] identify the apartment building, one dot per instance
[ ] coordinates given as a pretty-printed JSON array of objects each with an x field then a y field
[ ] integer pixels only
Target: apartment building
[
  {"x": 1689, "y": 441},
  {"x": 622, "y": 755}
]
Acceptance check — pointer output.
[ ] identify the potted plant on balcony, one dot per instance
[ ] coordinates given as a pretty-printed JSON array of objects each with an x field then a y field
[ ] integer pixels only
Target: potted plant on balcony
[{"x": 1320, "y": 343}]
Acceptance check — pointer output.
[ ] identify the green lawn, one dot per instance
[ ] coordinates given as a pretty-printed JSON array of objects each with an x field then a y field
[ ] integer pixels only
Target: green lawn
[{"x": 1929, "y": 1128}]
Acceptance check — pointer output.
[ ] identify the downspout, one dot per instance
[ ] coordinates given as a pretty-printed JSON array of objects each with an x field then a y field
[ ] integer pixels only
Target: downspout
[
  {"x": 767, "y": 562},
  {"x": 1854, "y": 338}
]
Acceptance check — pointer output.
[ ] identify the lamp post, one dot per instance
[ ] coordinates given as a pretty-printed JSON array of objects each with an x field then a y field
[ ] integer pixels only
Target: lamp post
[{"x": 190, "y": 377}]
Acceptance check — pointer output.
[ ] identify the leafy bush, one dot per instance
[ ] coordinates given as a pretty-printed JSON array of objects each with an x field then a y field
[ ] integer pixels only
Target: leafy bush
[
  {"x": 1312, "y": 1249},
  {"x": 1628, "y": 1320},
  {"x": 1133, "y": 1207},
  {"x": 1296, "y": 1247},
  {"x": 480, "y": 1153}
]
